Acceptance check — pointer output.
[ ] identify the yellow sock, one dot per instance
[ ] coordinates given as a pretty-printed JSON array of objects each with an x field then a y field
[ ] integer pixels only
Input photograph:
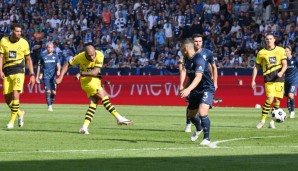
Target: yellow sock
[
  {"x": 14, "y": 107},
  {"x": 109, "y": 107},
  {"x": 265, "y": 110},
  {"x": 89, "y": 114}
]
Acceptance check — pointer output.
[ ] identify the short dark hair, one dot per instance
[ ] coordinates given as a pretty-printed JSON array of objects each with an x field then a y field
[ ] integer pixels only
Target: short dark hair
[
  {"x": 15, "y": 25},
  {"x": 197, "y": 35}
]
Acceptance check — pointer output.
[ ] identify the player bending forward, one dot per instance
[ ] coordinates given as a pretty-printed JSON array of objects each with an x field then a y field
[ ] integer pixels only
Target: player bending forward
[{"x": 90, "y": 62}]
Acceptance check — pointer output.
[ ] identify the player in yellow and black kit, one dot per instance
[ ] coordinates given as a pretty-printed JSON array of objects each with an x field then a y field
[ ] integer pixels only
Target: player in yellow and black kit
[
  {"x": 90, "y": 63},
  {"x": 273, "y": 61},
  {"x": 14, "y": 50}
]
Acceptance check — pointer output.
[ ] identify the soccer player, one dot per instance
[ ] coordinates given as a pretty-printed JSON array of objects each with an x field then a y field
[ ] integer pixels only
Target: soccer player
[
  {"x": 208, "y": 56},
  {"x": 199, "y": 88},
  {"x": 291, "y": 82},
  {"x": 14, "y": 50},
  {"x": 272, "y": 59},
  {"x": 49, "y": 64},
  {"x": 90, "y": 62}
]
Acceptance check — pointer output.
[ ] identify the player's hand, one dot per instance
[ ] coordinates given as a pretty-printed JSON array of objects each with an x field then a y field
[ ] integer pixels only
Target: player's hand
[
  {"x": 32, "y": 81},
  {"x": 59, "y": 80},
  {"x": 279, "y": 74},
  {"x": 37, "y": 80},
  {"x": 184, "y": 93},
  {"x": 2, "y": 75},
  {"x": 58, "y": 73},
  {"x": 253, "y": 84},
  {"x": 216, "y": 86},
  {"x": 78, "y": 76}
]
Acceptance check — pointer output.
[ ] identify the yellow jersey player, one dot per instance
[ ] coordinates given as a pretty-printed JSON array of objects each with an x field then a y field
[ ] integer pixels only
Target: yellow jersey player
[
  {"x": 273, "y": 61},
  {"x": 14, "y": 50},
  {"x": 90, "y": 62}
]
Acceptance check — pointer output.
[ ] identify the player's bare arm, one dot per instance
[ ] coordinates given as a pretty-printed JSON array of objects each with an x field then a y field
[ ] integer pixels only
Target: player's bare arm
[
  {"x": 283, "y": 69},
  {"x": 194, "y": 83},
  {"x": 254, "y": 75},
  {"x": 215, "y": 75},
  {"x": 92, "y": 73},
  {"x": 2, "y": 75},
  {"x": 182, "y": 76},
  {"x": 63, "y": 72},
  {"x": 31, "y": 71}
]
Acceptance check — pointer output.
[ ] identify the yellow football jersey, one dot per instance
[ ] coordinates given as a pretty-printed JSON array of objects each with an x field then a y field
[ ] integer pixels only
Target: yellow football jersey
[
  {"x": 14, "y": 55},
  {"x": 271, "y": 62},
  {"x": 86, "y": 65}
]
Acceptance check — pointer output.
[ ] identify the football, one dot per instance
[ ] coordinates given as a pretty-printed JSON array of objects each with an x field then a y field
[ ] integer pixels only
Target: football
[{"x": 279, "y": 115}]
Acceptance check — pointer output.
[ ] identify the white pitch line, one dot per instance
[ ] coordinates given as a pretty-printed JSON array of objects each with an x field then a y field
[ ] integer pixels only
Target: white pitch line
[{"x": 212, "y": 145}]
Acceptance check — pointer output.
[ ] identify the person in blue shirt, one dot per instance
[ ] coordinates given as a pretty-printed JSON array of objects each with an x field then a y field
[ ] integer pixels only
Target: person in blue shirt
[
  {"x": 199, "y": 88},
  {"x": 291, "y": 80},
  {"x": 48, "y": 68}
]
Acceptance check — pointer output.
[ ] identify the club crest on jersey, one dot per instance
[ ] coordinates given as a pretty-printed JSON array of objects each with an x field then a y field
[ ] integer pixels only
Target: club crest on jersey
[
  {"x": 12, "y": 54},
  {"x": 200, "y": 68},
  {"x": 272, "y": 60}
]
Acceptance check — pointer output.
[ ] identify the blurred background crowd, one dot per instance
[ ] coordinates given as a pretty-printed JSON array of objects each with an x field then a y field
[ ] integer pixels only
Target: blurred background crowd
[{"x": 147, "y": 34}]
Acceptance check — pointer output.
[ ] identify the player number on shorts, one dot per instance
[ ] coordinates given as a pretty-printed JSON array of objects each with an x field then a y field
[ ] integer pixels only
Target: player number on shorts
[
  {"x": 205, "y": 95},
  {"x": 292, "y": 89}
]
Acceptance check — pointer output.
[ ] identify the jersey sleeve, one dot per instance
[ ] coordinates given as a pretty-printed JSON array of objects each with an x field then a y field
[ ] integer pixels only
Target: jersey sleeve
[
  {"x": 26, "y": 48},
  {"x": 99, "y": 59},
  {"x": 259, "y": 58},
  {"x": 200, "y": 65},
  {"x": 211, "y": 58},
  {"x": 74, "y": 61},
  {"x": 57, "y": 59},
  {"x": 1, "y": 46}
]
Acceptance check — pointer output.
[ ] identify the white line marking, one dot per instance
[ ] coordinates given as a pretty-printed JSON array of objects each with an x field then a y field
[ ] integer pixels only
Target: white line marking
[{"x": 212, "y": 145}]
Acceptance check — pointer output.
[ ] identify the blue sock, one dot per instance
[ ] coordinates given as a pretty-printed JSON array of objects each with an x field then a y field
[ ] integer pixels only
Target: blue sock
[
  {"x": 53, "y": 98},
  {"x": 48, "y": 97},
  {"x": 206, "y": 126},
  {"x": 292, "y": 105},
  {"x": 187, "y": 117},
  {"x": 196, "y": 121},
  {"x": 289, "y": 105}
]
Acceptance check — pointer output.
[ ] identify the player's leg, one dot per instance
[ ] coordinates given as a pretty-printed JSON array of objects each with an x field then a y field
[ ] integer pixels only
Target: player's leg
[
  {"x": 12, "y": 87},
  {"x": 291, "y": 100},
  {"x": 194, "y": 118},
  {"x": 53, "y": 90},
  {"x": 89, "y": 114},
  {"x": 188, "y": 122},
  {"x": 270, "y": 93},
  {"x": 101, "y": 93},
  {"x": 278, "y": 94},
  {"x": 47, "y": 87},
  {"x": 205, "y": 105}
]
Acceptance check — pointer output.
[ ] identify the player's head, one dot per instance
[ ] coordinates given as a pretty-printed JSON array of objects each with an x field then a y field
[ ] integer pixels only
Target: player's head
[
  {"x": 187, "y": 47},
  {"x": 16, "y": 30},
  {"x": 90, "y": 53},
  {"x": 198, "y": 41},
  {"x": 288, "y": 50},
  {"x": 270, "y": 41},
  {"x": 50, "y": 47}
]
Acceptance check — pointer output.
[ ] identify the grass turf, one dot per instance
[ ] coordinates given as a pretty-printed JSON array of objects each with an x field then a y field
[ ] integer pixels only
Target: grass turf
[{"x": 156, "y": 141}]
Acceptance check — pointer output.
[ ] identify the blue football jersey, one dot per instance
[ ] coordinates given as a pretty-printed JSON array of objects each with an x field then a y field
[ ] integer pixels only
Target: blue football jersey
[
  {"x": 292, "y": 71},
  {"x": 199, "y": 64},
  {"x": 48, "y": 64}
]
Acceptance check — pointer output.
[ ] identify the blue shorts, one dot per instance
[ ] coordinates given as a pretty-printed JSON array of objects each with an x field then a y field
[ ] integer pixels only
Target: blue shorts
[
  {"x": 49, "y": 84},
  {"x": 195, "y": 100},
  {"x": 290, "y": 88}
]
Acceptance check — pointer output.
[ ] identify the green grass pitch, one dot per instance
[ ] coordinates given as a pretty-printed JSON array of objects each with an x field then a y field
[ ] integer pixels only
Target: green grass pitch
[{"x": 156, "y": 141}]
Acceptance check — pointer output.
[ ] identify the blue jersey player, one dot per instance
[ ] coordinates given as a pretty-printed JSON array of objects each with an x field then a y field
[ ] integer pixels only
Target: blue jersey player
[
  {"x": 291, "y": 81},
  {"x": 199, "y": 88},
  {"x": 208, "y": 55},
  {"x": 48, "y": 68}
]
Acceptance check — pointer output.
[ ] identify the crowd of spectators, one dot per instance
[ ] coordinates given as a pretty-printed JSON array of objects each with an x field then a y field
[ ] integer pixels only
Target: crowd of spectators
[{"x": 147, "y": 33}]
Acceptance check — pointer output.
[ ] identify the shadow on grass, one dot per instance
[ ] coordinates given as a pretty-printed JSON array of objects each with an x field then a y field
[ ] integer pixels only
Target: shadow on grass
[
  {"x": 41, "y": 130},
  {"x": 211, "y": 163}
]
